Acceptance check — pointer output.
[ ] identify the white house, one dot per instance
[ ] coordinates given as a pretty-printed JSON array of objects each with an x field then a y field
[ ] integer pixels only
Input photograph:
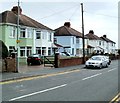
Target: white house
[
  {"x": 70, "y": 39},
  {"x": 95, "y": 42},
  {"x": 100, "y": 44},
  {"x": 109, "y": 46}
]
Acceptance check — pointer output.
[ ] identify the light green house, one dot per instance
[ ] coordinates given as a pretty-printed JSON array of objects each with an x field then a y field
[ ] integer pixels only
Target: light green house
[{"x": 33, "y": 36}]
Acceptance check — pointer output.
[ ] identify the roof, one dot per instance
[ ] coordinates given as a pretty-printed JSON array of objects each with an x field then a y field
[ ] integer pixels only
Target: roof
[
  {"x": 89, "y": 46},
  {"x": 11, "y": 17},
  {"x": 58, "y": 45},
  {"x": 67, "y": 31},
  {"x": 107, "y": 40},
  {"x": 93, "y": 36}
]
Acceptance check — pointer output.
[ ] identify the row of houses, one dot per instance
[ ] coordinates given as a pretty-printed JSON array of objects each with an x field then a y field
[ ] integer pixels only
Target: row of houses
[{"x": 37, "y": 38}]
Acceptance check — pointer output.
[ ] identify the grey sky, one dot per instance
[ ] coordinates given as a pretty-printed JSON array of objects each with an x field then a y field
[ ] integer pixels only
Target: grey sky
[{"x": 102, "y": 17}]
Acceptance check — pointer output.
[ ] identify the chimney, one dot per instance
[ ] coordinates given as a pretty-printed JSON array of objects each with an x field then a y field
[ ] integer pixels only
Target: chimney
[
  {"x": 105, "y": 36},
  {"x": 67, "y": 24},
  {"x": 15, "y": 10},
  {"x": 91, "y": 32}
]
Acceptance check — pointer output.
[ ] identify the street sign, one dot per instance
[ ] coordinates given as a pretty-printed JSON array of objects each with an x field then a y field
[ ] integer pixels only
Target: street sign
[{"x": 17, "y": 41}]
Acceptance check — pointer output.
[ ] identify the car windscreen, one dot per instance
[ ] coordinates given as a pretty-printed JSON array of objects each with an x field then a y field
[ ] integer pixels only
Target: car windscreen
[{"x": 96, "y": 58}]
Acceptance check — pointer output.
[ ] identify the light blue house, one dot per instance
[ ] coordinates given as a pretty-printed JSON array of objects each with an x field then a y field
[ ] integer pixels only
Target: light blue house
[{"x": 70, "y": 39}]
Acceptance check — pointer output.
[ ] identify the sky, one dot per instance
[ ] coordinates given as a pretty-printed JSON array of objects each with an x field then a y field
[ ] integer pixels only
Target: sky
[{"x": 101, "y": 16}]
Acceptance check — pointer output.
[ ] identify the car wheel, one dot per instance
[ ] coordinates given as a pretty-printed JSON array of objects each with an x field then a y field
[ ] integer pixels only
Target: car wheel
[
  {"x": 28, "y": 63},
  {"x": 107, "y": 65},
  {"x": 39, "y": 62},
  {"x": 100, "y": 66}
]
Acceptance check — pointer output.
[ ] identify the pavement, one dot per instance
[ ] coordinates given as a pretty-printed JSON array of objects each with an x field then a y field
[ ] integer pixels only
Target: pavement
[{"x": 32, "y": 71}]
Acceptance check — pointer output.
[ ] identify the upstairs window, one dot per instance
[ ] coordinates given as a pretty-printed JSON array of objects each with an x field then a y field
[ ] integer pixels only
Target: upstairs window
[
  {"x": 12, "y": 33},
  {"x": 38, "y": 34},
  {"x": 49, "y": 37},
  {"x": 73, "y": 40},
  {"x": 99, "y": 42},
  {"x": 44, "y": 35},
  {"x": 29, "y": 33},
  {"x": 22, "y": 33},
  {"x": 77, "y": 40}
]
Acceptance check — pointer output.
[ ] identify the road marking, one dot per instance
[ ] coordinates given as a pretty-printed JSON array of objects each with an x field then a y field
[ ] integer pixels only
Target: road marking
[
  {"x": 111, "y": 70},
  {"x": 92, "y": 76},
  {"x": 38, "y": 77},
  {"x": 39, "y": 92},
  {"x": 116, "y": 99}
]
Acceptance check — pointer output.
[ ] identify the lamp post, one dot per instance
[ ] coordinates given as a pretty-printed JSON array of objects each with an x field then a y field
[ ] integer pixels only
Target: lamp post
[
  {"x": 83, "y": 39},
  {"x": 17, "y": 41}
]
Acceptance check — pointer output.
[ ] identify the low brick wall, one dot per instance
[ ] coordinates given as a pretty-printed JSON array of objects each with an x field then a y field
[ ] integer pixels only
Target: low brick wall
[
  {"x": 70, "y": 61},
  {"x": 11, "y": 64},
  {"x": 2, "y": 65}
]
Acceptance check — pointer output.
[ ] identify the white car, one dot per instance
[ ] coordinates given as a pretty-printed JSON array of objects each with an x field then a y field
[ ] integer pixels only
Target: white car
[{"x": 97, "y": 61}]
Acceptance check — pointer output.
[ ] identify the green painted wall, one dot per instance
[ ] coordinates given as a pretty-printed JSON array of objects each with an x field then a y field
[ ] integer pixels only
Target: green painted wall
[{"x": 5, "y": 31}]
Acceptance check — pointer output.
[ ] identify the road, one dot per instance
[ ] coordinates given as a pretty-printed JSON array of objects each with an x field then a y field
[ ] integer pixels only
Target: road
[{"x": 78, "y": 85}]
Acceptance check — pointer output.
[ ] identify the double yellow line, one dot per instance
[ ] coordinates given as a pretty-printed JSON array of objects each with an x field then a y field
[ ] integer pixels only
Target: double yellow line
[
  {"x": 38, "y": 77},
  {"x": 116, "y": 99}
]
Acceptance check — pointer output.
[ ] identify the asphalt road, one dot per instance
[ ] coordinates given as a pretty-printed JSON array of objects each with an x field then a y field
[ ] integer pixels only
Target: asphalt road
[{"x": 79, "y": 85}]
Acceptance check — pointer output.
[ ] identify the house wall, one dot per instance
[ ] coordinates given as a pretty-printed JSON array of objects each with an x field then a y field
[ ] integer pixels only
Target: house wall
[
  {"x": 5, "y": 36},
  {"x": 6, "y": 30},
  {"x": 67, "y": 41}
]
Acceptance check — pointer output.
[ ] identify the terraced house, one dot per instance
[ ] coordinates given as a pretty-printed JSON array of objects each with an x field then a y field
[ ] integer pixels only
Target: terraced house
[{"x": 34, "y": 37}]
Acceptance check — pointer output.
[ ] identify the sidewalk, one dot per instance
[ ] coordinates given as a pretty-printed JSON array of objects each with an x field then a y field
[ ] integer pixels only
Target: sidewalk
[{"x": 30, "y": 71}]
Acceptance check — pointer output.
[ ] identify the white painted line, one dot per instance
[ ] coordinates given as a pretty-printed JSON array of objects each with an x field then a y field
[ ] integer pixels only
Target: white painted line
[
  {"x": 111, "y": 70},
  {"x": 31, "y": 94},
  {"x": 92, "y": 76}
]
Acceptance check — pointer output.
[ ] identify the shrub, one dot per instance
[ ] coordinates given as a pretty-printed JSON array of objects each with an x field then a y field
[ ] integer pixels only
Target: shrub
[{"x": 3, "y": 50}]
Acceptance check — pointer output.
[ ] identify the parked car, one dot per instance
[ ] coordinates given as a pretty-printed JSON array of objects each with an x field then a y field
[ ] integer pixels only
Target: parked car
[
  {"x": 108, "y": 59},
  {"x": 34, "y": 59},
  {"x": 97, "y": 61}
]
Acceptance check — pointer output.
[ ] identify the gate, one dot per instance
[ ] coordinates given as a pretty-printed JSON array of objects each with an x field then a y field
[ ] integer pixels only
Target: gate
[{"x": 49, "y": 61}]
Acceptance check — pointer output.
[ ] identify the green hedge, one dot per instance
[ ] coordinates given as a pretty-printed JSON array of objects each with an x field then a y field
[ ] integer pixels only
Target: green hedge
[{"x": 3, "y": 50}]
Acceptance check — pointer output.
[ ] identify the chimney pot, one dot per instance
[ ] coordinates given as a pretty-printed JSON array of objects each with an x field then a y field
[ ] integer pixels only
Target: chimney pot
[
  {"x": 67, "y": 24},
  {"x": 91, "y": 32},
  {"x": 15, "y": 10},
  {"x": 105, "y": 36}
]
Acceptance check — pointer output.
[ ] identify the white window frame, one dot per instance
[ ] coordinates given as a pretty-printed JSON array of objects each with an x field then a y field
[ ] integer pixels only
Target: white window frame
[
  {"x": 11, "y": 49},
  {"x": 29, "y": 51},
  {"x": 38, "y": 34},
  {"x": 22, "y": 32},
  {"x": 49, "y": 50},
  {"x": 50, "y": 37},
  {"x": 77, "y": 40},
  {"x": 29, "y": 33},
  {"x": 22, "y": 49},
  {"x": 38, "y": 50},
  {"x": 44, "y": 35},
  {"x": 12, "y": 32}
]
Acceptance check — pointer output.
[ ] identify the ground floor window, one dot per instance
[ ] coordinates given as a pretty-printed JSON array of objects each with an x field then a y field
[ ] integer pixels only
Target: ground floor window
[
  {"x": 25, "y": 51},
  {"x": 49, "y": 51},
  {"x": 22, "y": 51},
  {"x": 43, "y": 50},
  {"x": 29, "y": 51},
  {"x": 72, "y": 51},
  {"x": 11, "y": 49},
  {"x": 38, "y": 50}
]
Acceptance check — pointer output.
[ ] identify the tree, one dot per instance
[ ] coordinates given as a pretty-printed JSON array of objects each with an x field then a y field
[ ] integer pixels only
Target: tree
[{"x": 3, "y": 50}]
